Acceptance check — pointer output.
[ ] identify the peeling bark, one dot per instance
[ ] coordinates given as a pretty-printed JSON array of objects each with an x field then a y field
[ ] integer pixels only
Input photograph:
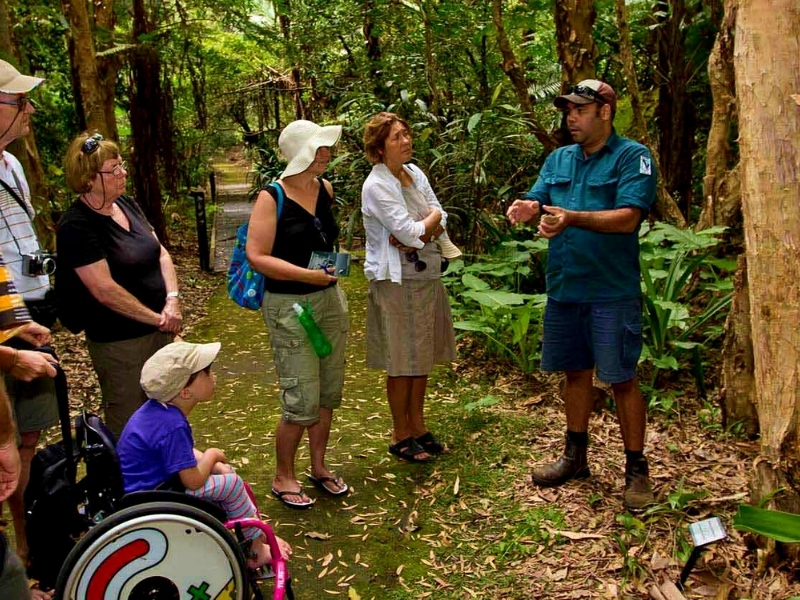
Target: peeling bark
[
  {"x": 577, "y": 50},
  {"x": 767, "y": 33},
  {"x": 721, "y": 199},
  {"x": 737, "y": 359}
]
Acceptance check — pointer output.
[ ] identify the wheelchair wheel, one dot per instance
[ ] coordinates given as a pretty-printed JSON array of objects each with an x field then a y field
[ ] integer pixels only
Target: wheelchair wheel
[{"x": 155, "y": 551}]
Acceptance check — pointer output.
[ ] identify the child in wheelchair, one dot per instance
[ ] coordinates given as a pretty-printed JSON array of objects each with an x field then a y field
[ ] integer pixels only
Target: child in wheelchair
[{"x": 156, "y": 446}]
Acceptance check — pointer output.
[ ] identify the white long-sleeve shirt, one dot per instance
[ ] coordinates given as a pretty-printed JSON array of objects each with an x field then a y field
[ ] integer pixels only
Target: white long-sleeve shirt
[{"x": 384, "y": 211}]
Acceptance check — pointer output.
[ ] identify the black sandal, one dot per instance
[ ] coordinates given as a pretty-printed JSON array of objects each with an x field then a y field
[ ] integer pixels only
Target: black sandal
[
  {"x": 430, "y": 444},
  {"x": 408, "y": 449}
]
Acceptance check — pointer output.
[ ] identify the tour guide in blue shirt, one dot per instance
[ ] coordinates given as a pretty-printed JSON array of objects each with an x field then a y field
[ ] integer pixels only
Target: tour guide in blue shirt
[{"x": 592, "y": 196}]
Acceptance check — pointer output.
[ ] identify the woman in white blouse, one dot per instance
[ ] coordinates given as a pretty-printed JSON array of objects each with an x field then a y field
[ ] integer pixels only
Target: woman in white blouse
[{"x": 409, "y": 327}]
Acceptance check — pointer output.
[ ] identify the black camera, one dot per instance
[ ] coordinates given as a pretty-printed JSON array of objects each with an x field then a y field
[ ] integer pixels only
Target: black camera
[{"x": 38, "y": 263}]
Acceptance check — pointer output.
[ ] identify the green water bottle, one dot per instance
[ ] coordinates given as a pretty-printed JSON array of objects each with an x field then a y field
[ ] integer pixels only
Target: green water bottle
[{"x": 322, "y": 347}]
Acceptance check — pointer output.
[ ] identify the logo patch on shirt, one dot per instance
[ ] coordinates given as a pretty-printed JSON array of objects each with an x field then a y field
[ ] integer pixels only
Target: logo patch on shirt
[{"x": 645, "y": 167}]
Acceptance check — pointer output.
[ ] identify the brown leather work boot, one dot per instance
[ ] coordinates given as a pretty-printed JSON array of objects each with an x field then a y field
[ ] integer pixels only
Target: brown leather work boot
[
  {"x": 571, "y": 465},
  {"x": 638, "y": 491}
]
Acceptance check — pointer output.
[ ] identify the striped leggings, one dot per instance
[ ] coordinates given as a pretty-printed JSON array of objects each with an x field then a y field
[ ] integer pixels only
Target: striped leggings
[{"x": 229, "y": 492}]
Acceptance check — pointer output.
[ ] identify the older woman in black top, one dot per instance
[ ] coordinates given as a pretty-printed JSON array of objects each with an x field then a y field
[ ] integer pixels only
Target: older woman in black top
[
  {"x": 280, "y": 247},
  {"x": 115, "y": 279}
]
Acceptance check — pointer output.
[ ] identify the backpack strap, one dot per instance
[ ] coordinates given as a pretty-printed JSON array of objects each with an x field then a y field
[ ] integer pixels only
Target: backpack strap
[{"x": 279, "y": 198}]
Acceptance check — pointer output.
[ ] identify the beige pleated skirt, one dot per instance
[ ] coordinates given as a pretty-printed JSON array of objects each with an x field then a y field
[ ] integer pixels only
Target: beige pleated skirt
[{"x": 409, "y": 327}]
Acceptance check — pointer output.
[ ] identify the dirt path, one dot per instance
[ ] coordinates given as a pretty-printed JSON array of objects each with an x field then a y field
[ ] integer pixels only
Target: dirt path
[{"x": 358, "y": 540}]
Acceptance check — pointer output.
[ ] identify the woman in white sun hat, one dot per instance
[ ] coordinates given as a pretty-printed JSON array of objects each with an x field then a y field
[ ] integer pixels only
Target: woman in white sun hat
[{"x": 280, "y": 247}]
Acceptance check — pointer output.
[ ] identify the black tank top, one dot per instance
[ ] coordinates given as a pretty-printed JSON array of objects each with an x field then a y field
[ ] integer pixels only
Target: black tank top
[{"x": 298, "y": 234}]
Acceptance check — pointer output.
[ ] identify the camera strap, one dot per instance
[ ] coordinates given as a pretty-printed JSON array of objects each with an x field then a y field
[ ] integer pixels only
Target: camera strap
[{"x": 15, "y": 195}]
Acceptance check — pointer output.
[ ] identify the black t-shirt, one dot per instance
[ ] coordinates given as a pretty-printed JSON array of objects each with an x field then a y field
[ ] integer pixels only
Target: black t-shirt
[
  {"x": 86, "y": 237},
  {"x": 298, "y": 234}
]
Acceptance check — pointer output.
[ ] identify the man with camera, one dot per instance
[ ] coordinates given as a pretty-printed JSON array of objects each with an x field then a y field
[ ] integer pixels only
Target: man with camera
[{"x": 33, "y": 402}]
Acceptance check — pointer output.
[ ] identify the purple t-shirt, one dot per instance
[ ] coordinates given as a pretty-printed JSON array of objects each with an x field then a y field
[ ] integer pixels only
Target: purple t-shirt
[{"x": 155, "y": 444}]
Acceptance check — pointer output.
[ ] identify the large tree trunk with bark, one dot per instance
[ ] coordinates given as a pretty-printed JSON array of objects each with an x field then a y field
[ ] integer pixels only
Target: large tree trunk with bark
[
  {"x": 92, "y": 95},
  {"x": 721, "y": 194},
  {"x": 738, "y": 383},
  {"x": 147, "y": 104},
  {"x": 665, "y": 207},
  {"x": 105, "y": 20},
  {"x": 516, "y": 74},
  {"x": 767, "y": 68},
  {"x": 674, "y": 112},
  {"x": 576, "y": 48}
]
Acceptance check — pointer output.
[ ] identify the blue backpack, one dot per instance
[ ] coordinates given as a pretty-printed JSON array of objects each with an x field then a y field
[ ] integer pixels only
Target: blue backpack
[{"x": 246, "y": 286}]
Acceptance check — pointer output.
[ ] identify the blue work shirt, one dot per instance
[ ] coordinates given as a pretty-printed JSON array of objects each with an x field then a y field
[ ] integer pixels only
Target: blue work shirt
[{"x": 583, "y": 265}]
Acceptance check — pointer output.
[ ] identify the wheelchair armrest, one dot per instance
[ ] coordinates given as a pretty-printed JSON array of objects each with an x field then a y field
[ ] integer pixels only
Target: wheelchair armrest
[{"x": 142, "y": 497}]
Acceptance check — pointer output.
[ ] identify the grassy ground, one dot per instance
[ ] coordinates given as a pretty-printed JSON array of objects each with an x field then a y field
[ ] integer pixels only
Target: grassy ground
[{"x": 470, "y": 525}]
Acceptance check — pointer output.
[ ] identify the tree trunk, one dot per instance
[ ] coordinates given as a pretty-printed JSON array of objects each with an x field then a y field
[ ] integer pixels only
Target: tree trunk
[
  {"x": 737, "y": 359},
  {"x": 146, "y": 106},
  {"x": 6, "y": 45},
  {"x": 674, "y": 112},
  {"x": 25, "y": 148},
  {"x": 427, "y": 9},
  {"x": 91, "y": 89},
  {"x": 373, "y": 45},
  {"x": 721, "y": 194},
  {"x": 665, "y": 207},
  {"x": 767, "y": 33},
  {"x": 516, "y": 74},
  {"x": 107, "y": 66},
  {"x": 576, "y": 48}
]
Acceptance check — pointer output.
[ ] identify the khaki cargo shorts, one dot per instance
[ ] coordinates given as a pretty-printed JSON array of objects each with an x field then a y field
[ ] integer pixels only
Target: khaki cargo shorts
[{"x": 306, "y": 381}]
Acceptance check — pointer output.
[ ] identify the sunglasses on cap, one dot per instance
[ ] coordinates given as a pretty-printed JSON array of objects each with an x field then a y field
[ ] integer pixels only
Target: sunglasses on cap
[
  {"x": 419, "y": 265},
  {"x": 91, "y": 144},
  {"x": 21, "y": 102},
  {"x": 585, "y": 90},
  {"x": 318, "y": 225}
]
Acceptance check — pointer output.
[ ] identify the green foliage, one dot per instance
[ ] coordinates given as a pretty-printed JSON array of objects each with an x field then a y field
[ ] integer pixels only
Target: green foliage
[
  {"x": 774, "y": 524},
  {"x": 534, "y": 530},
  {"x": 488, "y": 302},
  {"x": 484, "y": 402},
  {"x": 678, "y": 274}
]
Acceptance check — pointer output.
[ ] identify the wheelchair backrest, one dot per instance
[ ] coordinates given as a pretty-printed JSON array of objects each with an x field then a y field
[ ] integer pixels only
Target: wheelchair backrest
[{"x": 97, "y": 447}]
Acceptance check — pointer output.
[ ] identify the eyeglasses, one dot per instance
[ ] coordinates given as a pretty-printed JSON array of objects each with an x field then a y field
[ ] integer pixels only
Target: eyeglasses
[
  {"x": 21, "y": 102},
  {"x": 585, "y": 90},
  {"x": 318, "y": 225},
  {"x": 117, "y": 170},
  {"x": 91, "y": 144},
  {"x": 419, "y": 265}
]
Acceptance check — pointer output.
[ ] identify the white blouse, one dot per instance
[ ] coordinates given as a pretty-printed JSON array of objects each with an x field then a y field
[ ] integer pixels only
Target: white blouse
[{"x": 385, "y": 212}]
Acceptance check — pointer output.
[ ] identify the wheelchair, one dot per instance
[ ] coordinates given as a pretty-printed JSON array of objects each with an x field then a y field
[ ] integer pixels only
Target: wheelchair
[{"x": 153, "y": 545}]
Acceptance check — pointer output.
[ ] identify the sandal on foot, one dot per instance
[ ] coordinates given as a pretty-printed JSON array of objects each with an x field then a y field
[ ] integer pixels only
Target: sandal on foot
[
  {"x": 322, "y": 484},
  {"x": 408, "y": 449},
  {"x": 282, "y": 497},
  {"x": 430, "y": 444}
]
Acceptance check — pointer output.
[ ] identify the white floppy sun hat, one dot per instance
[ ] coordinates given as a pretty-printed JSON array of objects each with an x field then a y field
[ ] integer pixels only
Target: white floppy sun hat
[{"x": 300, "y": 140}]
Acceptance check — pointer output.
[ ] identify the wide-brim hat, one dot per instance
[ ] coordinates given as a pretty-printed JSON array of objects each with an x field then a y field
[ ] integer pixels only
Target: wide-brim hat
[
  {"x": 448, "y": 249},
  {"x": 167, "y": 372},
  {"x": 299, "y": 142},
  {"x": 586, "y": 92},
  {"x": 13, "y": 82}
]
